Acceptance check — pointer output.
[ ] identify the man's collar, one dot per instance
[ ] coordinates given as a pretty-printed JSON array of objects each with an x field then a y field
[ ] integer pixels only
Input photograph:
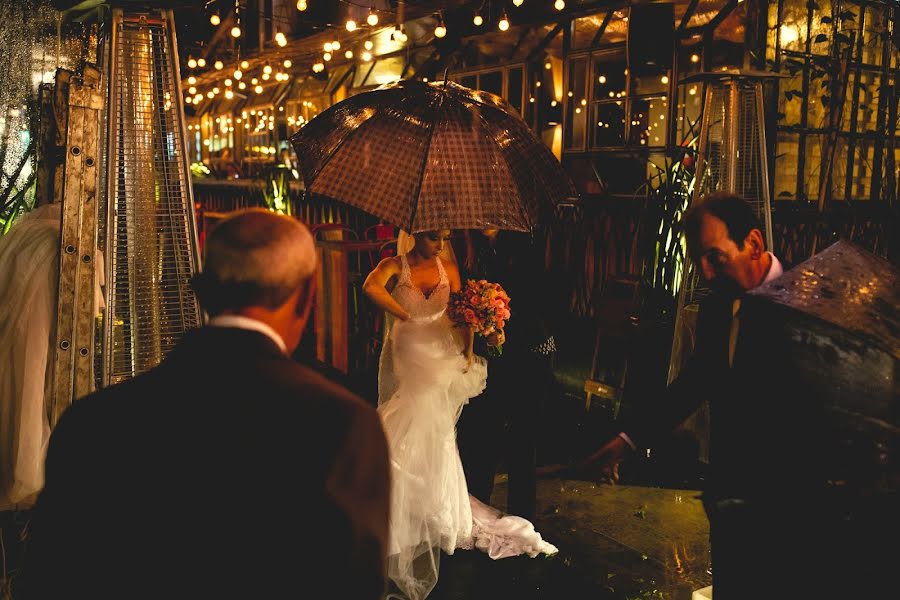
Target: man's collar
[
  {"x": 775, "y": 269},
  {"x": 242, "y": 322}
]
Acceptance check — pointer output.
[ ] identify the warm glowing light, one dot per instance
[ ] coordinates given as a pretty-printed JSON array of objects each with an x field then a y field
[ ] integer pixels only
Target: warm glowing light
[
  {"x": 215, "y": 19},
  {"x": 192, "y": 90},
  {"x": 201, "y": 62},
  {"x": 547, "y": 65},
  {"x": 287, "y": 63},
  {"x": 692, "y": 91},
  {"x": 301, "y": 5},
  {"x": 440, "y": 31},
  {"x": 254, "y": 81},
  {"x": 327, "y": 47},
  {"x": 602, "y": 79},
  {"x": 695, "y": 58},
  {"x": 503, "y": 24},
  {"x": 372, "y": 19},
  {"x": 267, "y": 69},
  {"x": 789, "y": 34},
  {"x": 327, "y": 56},
  {"x": 236, "y": 31},
  {"x": 242, "y": 85},
  {"x": 366, "y": 56},
  {"x": 477, "y": 20},
  {"x": 229, "y": 94},
  {"x": 258, "y": 89},
  {"x": 215, "y": 90},
  {"x": 335, "y": 46},
  {"x": 348, "y": 54},
  {"x": 350, "y": 25},
  {"x": 518, "y": 2},
  {"x": 188, "y": 100},
  {"x": 238, "y": 74},
  {"x": 192, "y": 64},
  {"x": 318, "y": 67},
  {"x": 245, "y": 64},
  {"x": 219, "y": 65},
  {"x": 192, "y": 80},
  {"x": 209, "y": 94},
  {"x": 559, "y": 4},
  {"x": 280, "y": 39},
  {"x": 553, "y": 103},
  {"x": 228, "y": 83},
  {"x": 664, "y": 79},
  {"x": 266, "y": 76}
]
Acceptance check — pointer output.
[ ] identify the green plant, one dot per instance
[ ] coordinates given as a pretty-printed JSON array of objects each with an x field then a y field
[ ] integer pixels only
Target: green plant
[{"x": 276, "y": 193}]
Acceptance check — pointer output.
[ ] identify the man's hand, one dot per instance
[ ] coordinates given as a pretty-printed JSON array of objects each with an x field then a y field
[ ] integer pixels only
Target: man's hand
[
  {"x": 498, "y": 338},
  {"x": 608, "y": 458}
]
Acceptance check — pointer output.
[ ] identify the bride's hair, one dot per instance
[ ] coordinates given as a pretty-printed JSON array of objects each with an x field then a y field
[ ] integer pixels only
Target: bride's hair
[{"x": 406, "y": 242}]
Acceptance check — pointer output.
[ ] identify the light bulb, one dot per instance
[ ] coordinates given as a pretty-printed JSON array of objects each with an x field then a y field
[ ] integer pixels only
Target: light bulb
[
  {"x": 327, "y": 56},
  {"x": 477, "y": 20},
  {"x": 228, "y": 83},
  {"x": 238, "y": 74},
  {"x": 368, "y": 45},
  {"x": 254, "y": 81},
  {"x": 518, "y": 2},
  {"x": 192, "y": 64},
  {"x": 219, "y": 65},
  {"x": 236, "y": 31},
  {"x": 192, "y": 90},
  {"x": 229, "y": 94},
  {"x": 503, "y": 25},
  {"x": 258, "y": 89},
  {"x": 192, "y": 80},
  {"x": 242, "y": 85},
  {"x": 366, "y": 56},
  {"x": 266, "y": 76},
  {"x": 188, "y": 100},
  {"x": 348, "y": 54},
  {"x": 267, "y": 69},
  {"x": 280, "y": 39},
  {"x": 350, "y": 25},
  {"x": 209, "y": 94},
  {"x": 372, "y": 19},
  {"x": 201, "y": 62},
  {"x": 301, "y": 5},
  {"x": 695, "y": 58},
  {"x": 559, "y": 4},
  {"x": 287, "y": 63},
  {"x": 327, "y": 47},
  {"x": 440, "y": 31},
  {"x": 215, "y": 19},
  {"x": 664, "y": 79},
  {"x": 245, "y": 64},
  {"x": 215, "y": 90},
  {"x": 335, "y": 45}
]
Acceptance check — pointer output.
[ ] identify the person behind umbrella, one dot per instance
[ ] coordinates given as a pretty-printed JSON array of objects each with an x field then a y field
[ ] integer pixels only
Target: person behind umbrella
[
  {"x": 227, "y": 471},
  {"x": 427, "y": 373},
  {"x": 503, "y": 421}
]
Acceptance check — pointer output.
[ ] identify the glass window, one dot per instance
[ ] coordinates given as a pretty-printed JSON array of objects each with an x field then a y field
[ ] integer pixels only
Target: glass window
[
  {"x": 385, "y": 70},
  {"x": 515, "y": 84},
  {"x": 609, "y": 124},
  {"x": 469, "y": 81},
  {"x": 492, "y": 82}
]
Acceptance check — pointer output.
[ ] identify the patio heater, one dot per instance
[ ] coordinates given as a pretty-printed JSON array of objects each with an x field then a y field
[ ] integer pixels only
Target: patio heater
[
  {"x": 731, "y": 157},
  {"x": 143, "y": 219}
]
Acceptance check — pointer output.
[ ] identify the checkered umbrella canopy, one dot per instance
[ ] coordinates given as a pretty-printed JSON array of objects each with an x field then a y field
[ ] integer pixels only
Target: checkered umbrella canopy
[{"x": 427, "y": 156}]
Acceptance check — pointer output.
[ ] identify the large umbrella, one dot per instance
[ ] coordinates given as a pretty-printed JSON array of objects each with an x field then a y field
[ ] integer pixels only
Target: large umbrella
[{"x": 427, "y": 156}]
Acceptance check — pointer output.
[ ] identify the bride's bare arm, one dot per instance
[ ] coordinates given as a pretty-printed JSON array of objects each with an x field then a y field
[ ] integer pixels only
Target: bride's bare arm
[{"x": 375, "y": 287}]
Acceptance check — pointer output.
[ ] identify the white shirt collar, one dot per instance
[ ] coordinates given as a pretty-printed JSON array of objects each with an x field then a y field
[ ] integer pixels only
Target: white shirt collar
[
  {"x": 775, "y": 269},
  {"x": 242, "y": 322}
]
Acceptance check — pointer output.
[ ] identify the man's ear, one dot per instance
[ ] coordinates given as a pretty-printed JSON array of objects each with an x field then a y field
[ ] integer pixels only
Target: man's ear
[{"x": 754, "y": 241}]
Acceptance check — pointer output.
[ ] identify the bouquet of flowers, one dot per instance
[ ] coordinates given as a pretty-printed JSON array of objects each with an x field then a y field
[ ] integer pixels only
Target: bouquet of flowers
[{"x": 481, "y": 305}]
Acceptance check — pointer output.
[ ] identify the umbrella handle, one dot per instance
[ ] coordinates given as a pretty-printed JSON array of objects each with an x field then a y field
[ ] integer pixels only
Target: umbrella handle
[{"x": 446, "y": 68}]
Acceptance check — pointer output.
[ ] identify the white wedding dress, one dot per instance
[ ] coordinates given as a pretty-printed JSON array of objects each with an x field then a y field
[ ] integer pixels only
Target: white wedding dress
[{"x": 422, "y": 388}]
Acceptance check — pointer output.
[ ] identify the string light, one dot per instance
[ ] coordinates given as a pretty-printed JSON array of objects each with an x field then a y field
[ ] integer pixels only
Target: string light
[
  {"x": 440, "y": 30},
  {"x": 559, "y": 4},
  {"x": 366, "y": 56},
  {"x": 236, "y": 32},
  {"x": 287, "y": 63},
  {"x": 503, "y": 25},
  {"x": 192, "y": 80},
  {"x": 301, "y": 5},
  {"x": 664, "y": 79},
  {"x": 368, "y": 45},
  {"x": 318, "y": 67},
  {"x": 242, "y": 85},
  {"x": 280, "y": 39},
  {"x": 245, "y": 64},
  {"x": 228, "y": 83},
  {"x": 372, "y": 18},
  {"x": 238, "y": 74},
  {"x": 477, "y": 20},
  {"x": 518, "y": 2},
  {"x": 350, "y": 25},
  {"x": 267, "y": 69},
  {"x": 215, "y": 19},
  {"x": 192, "y": 90},
  {"x": 201, "y": 62},
  {"x": 258, "y": 89},
  {"x": 192, "y": 63},
  {"x": 335, "y": 46},
  {"x": 327, "y": 56},
  {"x": 348, "y": 54},
  {"x": 695, "y": 58}
]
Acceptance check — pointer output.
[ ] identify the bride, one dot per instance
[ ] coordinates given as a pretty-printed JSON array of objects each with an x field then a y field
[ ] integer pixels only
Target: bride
[{"x": 427, "y": 373}]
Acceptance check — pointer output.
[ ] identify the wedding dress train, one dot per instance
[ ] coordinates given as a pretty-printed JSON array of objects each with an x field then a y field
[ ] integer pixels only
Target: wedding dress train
[{"x": 423, "y": 385}]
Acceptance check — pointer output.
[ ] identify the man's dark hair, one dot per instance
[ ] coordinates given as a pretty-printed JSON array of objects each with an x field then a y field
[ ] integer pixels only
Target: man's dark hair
[{"x": 729, "y": 208}]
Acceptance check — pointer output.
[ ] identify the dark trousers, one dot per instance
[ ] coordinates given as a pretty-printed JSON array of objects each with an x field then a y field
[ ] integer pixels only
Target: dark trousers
[{"x": 502, "y": 423}]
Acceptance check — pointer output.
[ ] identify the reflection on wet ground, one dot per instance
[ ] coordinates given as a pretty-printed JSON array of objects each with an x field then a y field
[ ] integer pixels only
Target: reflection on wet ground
[{"x": 616, "y": 542}]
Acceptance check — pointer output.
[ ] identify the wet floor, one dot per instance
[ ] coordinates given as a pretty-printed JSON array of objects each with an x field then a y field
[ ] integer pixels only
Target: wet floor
[{"x": 616, "y": 542}]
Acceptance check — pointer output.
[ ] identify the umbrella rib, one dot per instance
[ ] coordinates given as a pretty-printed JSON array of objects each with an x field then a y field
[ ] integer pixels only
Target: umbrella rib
[{"x": 415, "y": 206}]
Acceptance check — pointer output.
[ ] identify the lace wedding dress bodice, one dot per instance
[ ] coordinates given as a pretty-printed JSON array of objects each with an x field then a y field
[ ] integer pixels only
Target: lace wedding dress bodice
[{"x": 423, "y": 384}]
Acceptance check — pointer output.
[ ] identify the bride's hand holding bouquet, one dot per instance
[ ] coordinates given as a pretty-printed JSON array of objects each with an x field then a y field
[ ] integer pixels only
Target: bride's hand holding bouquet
[{"x": 482, "y": 306}]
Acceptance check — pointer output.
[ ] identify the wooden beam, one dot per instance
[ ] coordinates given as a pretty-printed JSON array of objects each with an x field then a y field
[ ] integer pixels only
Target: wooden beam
[
  {"x": 546, "y": 41},
  {"x": 692, "y": 7},
  {"x": 602, "y": 29},
  {"x": 714, "y": 22}
]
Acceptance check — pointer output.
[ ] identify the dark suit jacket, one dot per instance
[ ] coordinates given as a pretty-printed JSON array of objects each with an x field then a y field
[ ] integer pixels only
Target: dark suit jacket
[{"x": 227, "y": 471}]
